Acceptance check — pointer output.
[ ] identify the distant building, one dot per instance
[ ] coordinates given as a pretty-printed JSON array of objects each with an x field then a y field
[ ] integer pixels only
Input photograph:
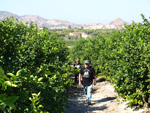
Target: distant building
[
  {"x": 80, "y": 34},
  {"x": 84, "y": 35}
]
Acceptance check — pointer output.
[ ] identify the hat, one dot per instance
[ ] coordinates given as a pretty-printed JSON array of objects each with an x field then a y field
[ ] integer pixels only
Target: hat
[{"x": 87, "y": 62}]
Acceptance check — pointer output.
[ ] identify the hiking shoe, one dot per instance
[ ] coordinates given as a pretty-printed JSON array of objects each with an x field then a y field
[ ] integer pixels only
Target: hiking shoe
[{"x": 89, "y": 103}]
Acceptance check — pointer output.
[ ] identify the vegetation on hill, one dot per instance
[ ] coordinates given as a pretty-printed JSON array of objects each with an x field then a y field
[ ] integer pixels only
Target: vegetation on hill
[{"x": 72, "y": 35}]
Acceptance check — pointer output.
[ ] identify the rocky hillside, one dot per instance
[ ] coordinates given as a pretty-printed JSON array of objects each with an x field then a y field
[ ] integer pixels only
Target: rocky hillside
[
  {"x": 34, "y": 18},
  {"x": 118, "y": 21},
  {"x": 60, "y": 24},
  {"x": 4, "y": 14}
]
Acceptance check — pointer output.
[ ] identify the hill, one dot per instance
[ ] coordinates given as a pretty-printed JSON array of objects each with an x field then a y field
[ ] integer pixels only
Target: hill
[
  {"x": 4, "y": 14},
  {"x": 118, "y": 21},
  {"x": 61, "y": 24}
]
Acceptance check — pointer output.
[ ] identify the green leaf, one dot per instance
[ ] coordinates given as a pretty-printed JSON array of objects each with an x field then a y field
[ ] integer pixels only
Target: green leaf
[
  {"x": 40, "y": 79},
  {"x": 2, "y": 75},
  {"x": 10, "y": 84},
  {"x": 11, "y": 100},
  {"x": 12, "y": 75},
  {"x": 2, "y": 97},
  {"x": 1, "y": 72},
  {"x": 2, "y": 108},
  {"x": 18, "y": 72},
  {"x": 2, "y": 81}
]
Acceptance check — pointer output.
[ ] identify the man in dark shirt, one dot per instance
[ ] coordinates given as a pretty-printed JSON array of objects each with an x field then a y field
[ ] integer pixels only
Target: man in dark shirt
[
  {"x": 88, "y": 74},
  {"x": 77, "y": 65}
]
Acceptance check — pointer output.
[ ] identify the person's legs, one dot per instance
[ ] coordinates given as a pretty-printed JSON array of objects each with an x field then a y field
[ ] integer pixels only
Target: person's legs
[
  {"x": 85, "y": 91},
  {"x": 88, "y": 92},
  {"x": 76, "y": 77}
]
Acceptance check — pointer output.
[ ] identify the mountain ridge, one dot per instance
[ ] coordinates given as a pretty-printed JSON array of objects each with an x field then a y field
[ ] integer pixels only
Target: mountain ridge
[
  {"x": 118, "y": 21},
  {"x": 62, "y": 24}
]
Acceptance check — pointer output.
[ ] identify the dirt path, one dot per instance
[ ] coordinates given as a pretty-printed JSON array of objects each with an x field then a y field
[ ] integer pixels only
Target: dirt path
[{"x": 103, "y": 100}]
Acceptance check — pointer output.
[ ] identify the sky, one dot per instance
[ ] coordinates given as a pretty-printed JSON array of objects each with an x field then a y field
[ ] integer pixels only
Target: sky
[{"x": 80, "y": 11}]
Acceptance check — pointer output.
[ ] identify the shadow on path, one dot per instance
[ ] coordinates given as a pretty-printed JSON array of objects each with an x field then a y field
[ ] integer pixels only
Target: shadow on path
[
  {"x": 100, "y": 79},
  {"x": 104, "y": 100}
]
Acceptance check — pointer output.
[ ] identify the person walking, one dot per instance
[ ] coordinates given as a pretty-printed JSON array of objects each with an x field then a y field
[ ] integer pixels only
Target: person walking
[
  {"x": 88, "y": 74},
  {"x": 77, "y": 65}
]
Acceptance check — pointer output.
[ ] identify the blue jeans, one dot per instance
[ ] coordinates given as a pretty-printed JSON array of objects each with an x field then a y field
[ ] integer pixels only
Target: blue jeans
[{"x": 88, "y": 92}]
